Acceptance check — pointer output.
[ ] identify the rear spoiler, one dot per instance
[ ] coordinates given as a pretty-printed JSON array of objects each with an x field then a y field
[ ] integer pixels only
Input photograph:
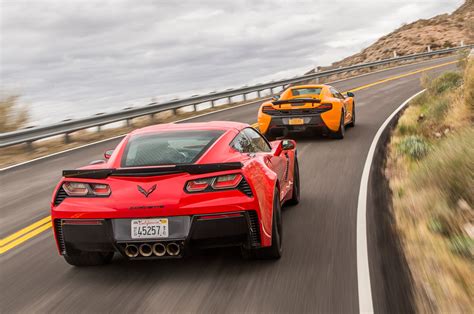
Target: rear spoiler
[
  {"x": 296, "y": 101},
  {"x": 151, "y": 171}
]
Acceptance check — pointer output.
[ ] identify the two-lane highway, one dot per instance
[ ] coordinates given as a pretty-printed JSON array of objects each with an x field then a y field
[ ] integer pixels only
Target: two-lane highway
[{"x": 317, "y": 273}]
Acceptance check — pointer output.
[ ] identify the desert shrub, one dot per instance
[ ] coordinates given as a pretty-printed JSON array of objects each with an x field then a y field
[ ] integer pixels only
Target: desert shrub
[
  {"x": 462, "y": 245},
  {"x": 12, "y": 115},
  {"x": 406, "y": 129},
  {"x": 449, "y": 168},
  {"x": 469, "y": 85},
  {"x": 413, "y": 146},
  {"x": 444, "y": 82}
]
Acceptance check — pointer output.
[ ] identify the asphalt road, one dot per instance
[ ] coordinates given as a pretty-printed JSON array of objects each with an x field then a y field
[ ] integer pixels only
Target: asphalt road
[{"x": 317, "y": 272}]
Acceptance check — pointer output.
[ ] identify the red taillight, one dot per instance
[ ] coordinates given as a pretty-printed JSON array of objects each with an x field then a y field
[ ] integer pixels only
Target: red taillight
[
  {"x": 76, "y": 188},
  {"x": 227, "y": 182},
  {"x": 100, "y": 189},
  {"x": 325, "y": 107},
  {"x": 86, "y": 189},
  {"x": 198, "y": 185}
]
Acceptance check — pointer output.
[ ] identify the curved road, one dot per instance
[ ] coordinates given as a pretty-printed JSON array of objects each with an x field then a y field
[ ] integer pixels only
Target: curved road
[{"x": 317, "y": 273}]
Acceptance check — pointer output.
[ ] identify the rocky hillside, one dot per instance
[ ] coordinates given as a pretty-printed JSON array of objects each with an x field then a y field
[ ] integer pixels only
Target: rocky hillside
[{"x": 442, "y": 31}]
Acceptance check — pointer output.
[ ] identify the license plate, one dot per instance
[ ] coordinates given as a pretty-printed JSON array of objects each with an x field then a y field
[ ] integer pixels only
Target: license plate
[
  {"x": 149, "y": 228},
  {"x": 296, "y": 121}
]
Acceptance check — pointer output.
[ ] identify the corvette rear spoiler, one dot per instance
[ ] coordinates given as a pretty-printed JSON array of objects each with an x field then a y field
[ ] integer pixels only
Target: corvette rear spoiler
[
  {"x": 151, "y": 171},
  {"x": 296, "y": 101}
]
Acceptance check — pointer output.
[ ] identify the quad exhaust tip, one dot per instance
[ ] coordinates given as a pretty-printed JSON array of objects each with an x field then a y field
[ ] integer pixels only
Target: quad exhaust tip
[
  {"x": 145, "y": 250},
  {"x": 173, "y": 249},
  {"x": 131, "y": 250},
  {"x": 159, "y": 249}
]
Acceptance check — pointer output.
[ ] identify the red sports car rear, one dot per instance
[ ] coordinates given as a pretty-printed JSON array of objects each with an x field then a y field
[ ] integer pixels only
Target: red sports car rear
[{"x": 167, "y": 189}]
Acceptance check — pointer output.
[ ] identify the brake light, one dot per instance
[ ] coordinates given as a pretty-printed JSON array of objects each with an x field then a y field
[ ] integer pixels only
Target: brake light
[
  {"x": 100, "y": 189},
  {"x": 76, "y": 188},
  {"x": 227, "y": 182},
  {"x": 198, "y": 185},
  {"x": 267, "y": 109},
  {"x": 86, "y": 189},
  {"x": 325, "y": 107}
]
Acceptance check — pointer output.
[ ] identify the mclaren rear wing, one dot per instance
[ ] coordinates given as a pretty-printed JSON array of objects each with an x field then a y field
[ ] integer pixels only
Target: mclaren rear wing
[
  {"x": 151, "y": 171},
  {"x": 296, "y": 101}
]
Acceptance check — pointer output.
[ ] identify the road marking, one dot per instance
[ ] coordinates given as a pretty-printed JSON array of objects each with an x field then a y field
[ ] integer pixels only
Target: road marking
[
  {"x": 24, "y": 230},
  {"x": 212, "y": 112},
  {"x": 363, "y": 273},
  {"x": 34, "y": 232},
  {"x": 400, "y": 76}
]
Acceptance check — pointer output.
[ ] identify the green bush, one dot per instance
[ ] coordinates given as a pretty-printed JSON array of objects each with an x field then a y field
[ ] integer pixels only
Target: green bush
[
  {"x": 444, "y": 82},
  {"x": 462, "y": 245},
  {"x": 414, "y": 146}
]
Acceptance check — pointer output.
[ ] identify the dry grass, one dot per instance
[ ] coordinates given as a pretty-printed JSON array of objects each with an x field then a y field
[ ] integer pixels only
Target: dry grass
[
  {"x": 433, "y": 194},
  {"x": 12, "y": 115}
]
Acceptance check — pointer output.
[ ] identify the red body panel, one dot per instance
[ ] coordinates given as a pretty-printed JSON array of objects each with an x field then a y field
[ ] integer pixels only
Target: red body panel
[{"x": 262, "y": 171}]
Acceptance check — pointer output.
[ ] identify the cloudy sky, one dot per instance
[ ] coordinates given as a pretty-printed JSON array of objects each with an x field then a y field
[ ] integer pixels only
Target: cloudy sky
[{"x": 76, "y": 58}]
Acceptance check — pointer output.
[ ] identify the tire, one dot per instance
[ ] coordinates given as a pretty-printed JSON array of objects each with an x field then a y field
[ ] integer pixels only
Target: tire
[
  {"x": 89, "y": 258},
  {"x": 353, "y": 119},
  {"x": 275, "y": 250},
  {"x": 340, "y": 133},
  {"x": 295, "y": 195}
]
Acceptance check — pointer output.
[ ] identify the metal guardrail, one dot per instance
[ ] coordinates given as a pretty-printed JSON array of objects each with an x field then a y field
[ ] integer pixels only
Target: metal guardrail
[{"x": 36, "y": 133}]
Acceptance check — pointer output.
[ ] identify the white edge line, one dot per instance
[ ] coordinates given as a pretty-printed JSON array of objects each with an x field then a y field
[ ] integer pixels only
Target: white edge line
[
  {"x": 363, "y": 273},
  {"x": 118, "y": 136},
  {"x": 212, "y": 112}
]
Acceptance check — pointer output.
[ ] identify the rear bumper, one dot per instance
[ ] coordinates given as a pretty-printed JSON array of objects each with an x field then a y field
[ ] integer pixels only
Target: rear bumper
[
  {"x": 198, "y": 231},
  {"x": 280, "y": 126}
]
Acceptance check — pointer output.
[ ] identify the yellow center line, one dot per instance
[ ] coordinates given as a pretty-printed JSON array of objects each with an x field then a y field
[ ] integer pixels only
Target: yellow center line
[
  {"x": 44, "y": 224},
  {"x": 24, "y": 230},
  {"x": 25, "y": 237}
]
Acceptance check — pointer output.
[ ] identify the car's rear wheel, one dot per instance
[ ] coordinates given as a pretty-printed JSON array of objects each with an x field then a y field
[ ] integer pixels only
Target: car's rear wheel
[
  {"x": 353, "y": 119},
  {"x": 275, "y": 250},
  {"x": 339, "y": 134},
  {"x": 295, "y": 196},
  {"x": 89, "y": 258}
]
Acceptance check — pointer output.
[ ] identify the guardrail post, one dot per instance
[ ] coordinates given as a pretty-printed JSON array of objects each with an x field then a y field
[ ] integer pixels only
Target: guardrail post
[
  {"x": 99, "y": 127},
  {"x": 29, "y": 145},
  {"x": 212, "y": 104},
  {"x": 271, "y": 90},
  {"x": 229, "y": 99},
  {"x": 258, "y": 94},
  {"x": 244, "y": 97},
  {"x": 67, "y": 138}
]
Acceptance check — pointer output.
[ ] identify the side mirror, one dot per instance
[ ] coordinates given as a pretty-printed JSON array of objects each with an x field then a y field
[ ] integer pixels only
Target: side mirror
[
  {"x": 288, "y": 144},
  {"x": 108, "y": 153},
  {"x": 275, "y": 97},
  {"x": 350, "y": 94}
]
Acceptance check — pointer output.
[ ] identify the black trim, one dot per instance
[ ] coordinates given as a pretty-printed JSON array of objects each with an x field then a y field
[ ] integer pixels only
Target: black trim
[
  {"x": 152, "y": 171},
  {"x": 296, "y": 101}
]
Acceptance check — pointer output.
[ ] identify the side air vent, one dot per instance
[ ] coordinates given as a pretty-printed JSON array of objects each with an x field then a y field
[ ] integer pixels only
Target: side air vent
[
  {"x": 254, "y": 228},
  {"x": 60, "y": 196},
  {"x": 59, "y": 232},
  {"x": 244, "y": 187}
]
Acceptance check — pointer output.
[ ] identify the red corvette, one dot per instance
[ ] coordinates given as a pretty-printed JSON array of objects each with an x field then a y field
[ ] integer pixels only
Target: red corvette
[{"x": 169, "y": 188}]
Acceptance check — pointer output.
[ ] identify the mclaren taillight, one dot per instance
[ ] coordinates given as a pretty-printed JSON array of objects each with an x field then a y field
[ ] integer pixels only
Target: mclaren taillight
[
  {"x": 86, "y": 189},
  {"x": 225, "y": 182},
  {"x": 268, "y": 109},
  {"x": 325, "y": 107},
  {"x": 230, "y": 181}
]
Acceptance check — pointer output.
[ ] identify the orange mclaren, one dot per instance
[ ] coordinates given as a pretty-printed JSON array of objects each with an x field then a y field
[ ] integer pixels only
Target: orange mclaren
[{"x": 307, "y": 107}]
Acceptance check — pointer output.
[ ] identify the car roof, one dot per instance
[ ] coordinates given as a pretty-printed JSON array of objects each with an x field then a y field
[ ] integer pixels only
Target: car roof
[
  {"x": 212, "y": 125},
  {"x": 309, "y": 86}
]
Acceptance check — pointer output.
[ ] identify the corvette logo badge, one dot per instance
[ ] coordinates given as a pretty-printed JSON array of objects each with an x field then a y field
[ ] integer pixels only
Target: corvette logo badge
[{"x": 144, "y": 192}]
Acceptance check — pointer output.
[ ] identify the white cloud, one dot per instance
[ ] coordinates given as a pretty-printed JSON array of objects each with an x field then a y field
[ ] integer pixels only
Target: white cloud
[{"x": 75, "y": 58}]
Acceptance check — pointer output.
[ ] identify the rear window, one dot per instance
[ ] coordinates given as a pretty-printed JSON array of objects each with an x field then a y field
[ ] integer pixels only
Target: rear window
[
  {"x": 167, "y": 148},
  {"x": 306, "y": 91}
]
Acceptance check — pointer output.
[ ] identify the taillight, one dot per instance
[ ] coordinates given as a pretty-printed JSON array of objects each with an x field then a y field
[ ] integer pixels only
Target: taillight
[
  {"x": 86, "y": 189},
  {"x": 76, "y": 188},
  {"x": 325, "y": 107},
  {"x": 225, "y": 182},
  {"x": 198, "y": 185},
  {"x": 268, "y": 109}
]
